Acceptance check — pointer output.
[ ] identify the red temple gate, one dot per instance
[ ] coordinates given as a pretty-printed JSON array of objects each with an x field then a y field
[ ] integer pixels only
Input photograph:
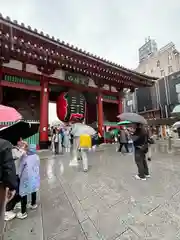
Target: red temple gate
[{"x": 39, "y": 63}]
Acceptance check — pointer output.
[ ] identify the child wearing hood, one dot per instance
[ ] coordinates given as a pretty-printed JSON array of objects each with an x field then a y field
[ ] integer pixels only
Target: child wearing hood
[
  {"x": 17, "y": 153},
  {"x": 29, "y": 177}
]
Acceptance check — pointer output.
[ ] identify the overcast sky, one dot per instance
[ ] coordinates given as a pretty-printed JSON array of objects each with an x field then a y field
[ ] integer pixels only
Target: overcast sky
[{"x": 113, "y": 29}]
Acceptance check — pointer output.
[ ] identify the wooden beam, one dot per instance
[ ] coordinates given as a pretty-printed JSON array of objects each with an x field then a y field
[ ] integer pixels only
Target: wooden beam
[
  {"x": 34, "y": 76},
  {"x": 110, "y": 101}
]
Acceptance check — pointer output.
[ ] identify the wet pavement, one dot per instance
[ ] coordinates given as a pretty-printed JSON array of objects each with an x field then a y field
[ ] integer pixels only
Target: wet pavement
[{"x": 107, "y": 202}]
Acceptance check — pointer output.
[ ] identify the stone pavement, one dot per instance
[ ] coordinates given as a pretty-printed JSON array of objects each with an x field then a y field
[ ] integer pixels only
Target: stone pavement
[{"x": 106, "y": 203}]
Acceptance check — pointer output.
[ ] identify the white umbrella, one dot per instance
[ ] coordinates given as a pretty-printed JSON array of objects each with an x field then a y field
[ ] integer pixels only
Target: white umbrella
[
  {"x": 79, "y": 128},
  {"x": 57, "y": 123},
  {"x": 176, "y": 110},
  {"x": 176, "y": 124}
]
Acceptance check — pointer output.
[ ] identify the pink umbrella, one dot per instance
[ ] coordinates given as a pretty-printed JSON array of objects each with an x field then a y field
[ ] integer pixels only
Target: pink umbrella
[{"x": 9, "y": 114}]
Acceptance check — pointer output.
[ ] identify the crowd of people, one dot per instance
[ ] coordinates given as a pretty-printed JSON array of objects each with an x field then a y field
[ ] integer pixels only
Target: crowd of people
[
  {"x": 20, "y": 165},
  {"x": 61, "y": 139},
  {"x": 135, "y": 139}
]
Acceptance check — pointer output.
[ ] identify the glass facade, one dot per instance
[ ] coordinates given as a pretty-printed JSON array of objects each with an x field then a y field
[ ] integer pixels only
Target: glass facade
[
  {"x": 144, "y": 99},
  {"x": 147, "y": 49},
  {"x": 164, "y": 95}
]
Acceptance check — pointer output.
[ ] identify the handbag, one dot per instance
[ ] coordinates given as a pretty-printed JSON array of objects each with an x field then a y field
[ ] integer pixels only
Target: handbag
[
  {"x": 151, "y": 141},
  {"x": 143, "y": 148}
]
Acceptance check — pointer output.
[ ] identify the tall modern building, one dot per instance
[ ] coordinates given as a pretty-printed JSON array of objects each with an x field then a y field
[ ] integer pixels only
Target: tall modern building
[
  {"x": 148, "y": 49},
  {"x": 159, "y": 100},
  {"x": 159, "y": 63}
]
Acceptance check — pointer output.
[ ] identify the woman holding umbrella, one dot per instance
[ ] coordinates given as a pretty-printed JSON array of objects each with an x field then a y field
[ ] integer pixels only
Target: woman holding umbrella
[
  {"x": 140, "y": 140},
  {"x": 82, "y": 142}
]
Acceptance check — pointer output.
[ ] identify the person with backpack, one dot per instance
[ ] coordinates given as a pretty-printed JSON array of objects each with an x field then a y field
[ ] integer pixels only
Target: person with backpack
[{"x": 81, "y": 144}]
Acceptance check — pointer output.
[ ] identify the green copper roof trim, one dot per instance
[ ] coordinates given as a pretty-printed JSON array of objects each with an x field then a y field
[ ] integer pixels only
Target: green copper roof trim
[{"x": 16, "y": 79}]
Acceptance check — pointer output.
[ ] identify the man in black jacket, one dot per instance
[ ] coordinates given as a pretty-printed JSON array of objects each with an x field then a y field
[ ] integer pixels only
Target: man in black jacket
[
  {"x": 8, "y": 180},
  {"x": 140, "y": 140}
]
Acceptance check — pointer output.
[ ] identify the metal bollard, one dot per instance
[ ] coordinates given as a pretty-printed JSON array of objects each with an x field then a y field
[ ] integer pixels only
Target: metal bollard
[{"x": 169, "y": 143}]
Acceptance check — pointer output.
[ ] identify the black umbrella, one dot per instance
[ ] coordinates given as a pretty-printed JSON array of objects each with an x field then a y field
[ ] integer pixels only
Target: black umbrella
[{"x": 18, "y": 130}]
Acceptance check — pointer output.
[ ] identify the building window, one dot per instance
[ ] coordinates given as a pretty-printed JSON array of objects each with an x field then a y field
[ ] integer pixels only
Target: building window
[
  {"x": 177, "y": 58},
  {"x": 162, "y": 73},
  {"x": 170, "y": 70},
  {"x": 169, "y": 58},
  {"x": 158, "y": 63}
]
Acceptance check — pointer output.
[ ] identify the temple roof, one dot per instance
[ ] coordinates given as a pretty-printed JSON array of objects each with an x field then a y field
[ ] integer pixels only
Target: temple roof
[{"x": 47, "y": 53}]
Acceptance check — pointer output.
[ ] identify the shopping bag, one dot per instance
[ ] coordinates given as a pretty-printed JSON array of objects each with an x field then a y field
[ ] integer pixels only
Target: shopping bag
[{"x": 85, "y": 141}]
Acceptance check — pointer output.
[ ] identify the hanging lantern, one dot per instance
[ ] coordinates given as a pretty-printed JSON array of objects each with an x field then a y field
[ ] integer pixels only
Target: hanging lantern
[{"x": 71, "y": 106}]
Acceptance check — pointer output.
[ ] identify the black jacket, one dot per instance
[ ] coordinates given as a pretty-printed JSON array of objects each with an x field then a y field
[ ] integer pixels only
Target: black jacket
[
  {"x": 140, "y": 138},
  {"x": 7, "y": 165}
]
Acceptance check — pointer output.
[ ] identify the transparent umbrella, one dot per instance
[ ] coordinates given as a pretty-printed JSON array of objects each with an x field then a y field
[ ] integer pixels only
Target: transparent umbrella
[
  {"x": 176, "y": 110},
  {"x": 132, "y": 117},
  {"x": 176, "y": 125},
  {"x": 79, "y": 128},
  {"x": 56, "y": 123}
]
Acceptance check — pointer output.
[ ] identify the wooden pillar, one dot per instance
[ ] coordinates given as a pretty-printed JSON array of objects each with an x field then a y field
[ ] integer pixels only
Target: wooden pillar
[
  {"x": 100, "y": 113},
  {"x": 44, "y": 110},
  {"x": 120, "y": 105}
]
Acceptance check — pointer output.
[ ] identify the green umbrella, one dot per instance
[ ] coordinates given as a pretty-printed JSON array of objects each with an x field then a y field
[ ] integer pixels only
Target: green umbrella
[
  {"x": 124, "y": 122},
  {"x": 114, "y": 132}
]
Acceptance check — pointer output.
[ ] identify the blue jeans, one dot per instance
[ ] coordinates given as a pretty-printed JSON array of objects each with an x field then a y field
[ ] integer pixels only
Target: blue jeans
[{"x": 130, "y": 147}]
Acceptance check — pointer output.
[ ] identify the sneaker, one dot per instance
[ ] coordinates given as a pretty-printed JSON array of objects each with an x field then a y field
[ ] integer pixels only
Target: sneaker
[
  {"x": 85, "y": 170},
  {"x": 138, "y": 178},
  {"x": 73, "y": 164},
  {"x": 148, "y": 176},
  {"x": 18, "y": 206},
  {"x": 21, "y": 215},
  {"x": 9, "y": 216},
  {"x": 29, "y": 206},
  {"x": 33, "y": 207}
]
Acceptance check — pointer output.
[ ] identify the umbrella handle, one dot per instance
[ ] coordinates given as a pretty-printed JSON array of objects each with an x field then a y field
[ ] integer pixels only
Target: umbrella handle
[{"x": 16, "y": 148}]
